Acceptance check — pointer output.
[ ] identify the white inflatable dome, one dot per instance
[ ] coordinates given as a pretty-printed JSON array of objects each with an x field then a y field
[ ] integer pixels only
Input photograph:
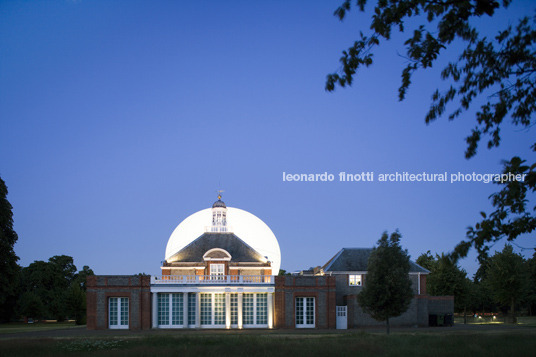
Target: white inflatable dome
[{"x": 243, "y": 224}]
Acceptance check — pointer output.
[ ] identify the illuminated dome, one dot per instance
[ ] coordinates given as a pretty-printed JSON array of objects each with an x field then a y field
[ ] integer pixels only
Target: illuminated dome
[{"x": 243, "y": 224}]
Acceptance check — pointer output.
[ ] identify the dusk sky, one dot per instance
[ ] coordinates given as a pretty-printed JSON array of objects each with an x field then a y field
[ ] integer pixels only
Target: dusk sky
[{"x": 119, "y": 119}]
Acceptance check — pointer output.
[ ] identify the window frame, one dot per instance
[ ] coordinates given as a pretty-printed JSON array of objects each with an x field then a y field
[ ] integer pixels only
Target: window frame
[
  {"x": 192, "y": 308},
  {"x": 170, "y": 310},
  {"x": 217, "y": 270},
  {"x": 304, "y": 303},
  {"x": 212, "y": 310},
  {"x": 116, "y": 306},
  {"x": 255, "y": 310},
  {"x": 355, "y": 280}
]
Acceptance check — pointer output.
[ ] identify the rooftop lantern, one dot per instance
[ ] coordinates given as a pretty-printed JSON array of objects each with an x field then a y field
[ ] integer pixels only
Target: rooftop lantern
[{"x": 219, "y": 217}]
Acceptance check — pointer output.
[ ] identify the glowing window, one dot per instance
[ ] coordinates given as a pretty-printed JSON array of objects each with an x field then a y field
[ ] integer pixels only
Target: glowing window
[
  {"x": 354, "y": 280},
  {"x": 219, "y": 309}
]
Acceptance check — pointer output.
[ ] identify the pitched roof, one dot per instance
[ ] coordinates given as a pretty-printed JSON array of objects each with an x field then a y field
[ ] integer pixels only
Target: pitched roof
[
  {"x": 356, "y": 259},
  {"x": 240, "y": 251}
]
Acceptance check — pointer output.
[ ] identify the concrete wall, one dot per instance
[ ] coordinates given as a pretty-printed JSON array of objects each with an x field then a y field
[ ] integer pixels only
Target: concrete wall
[{"x": 134, "y": 287}]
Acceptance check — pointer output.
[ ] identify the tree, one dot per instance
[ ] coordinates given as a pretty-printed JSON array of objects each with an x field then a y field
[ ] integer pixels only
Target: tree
[
  {"x": 483, "y": 300},
  {"x": 446, "y": 278},
  {"x": 76, "y": 296},
  {"x": 507, "y": 278},
  {"x": 387, "y": 292},
  {"x": 57, "y": 283},
  {"x": 63, "y": 273},
  {"x": 40, "y": 279},
  {"x": 82, "y": 275},
  {"x": 427, "y": 261},
  {"x": 75, "y": 302},
  {"x": 31, "y": 305},
  {"x": 65, "y": 268},
  {"x": 283, "y": 272},
  {"x": 9, "y": 268},
  {"x": 531, "y": 268},
  {"x": 497, "y": 73}
]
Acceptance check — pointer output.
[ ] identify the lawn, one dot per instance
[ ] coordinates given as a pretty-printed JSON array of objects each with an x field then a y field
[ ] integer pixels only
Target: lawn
[
  {"x": 521, "y": 320},
  {"x": 443, "y": 342},
  {"x": 23, "y": 327}
]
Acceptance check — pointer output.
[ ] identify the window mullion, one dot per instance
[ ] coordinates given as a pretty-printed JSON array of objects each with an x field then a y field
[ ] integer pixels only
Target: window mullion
[
  {"x": 170, "y": 302},
  {"x": 213, "y": 308}
]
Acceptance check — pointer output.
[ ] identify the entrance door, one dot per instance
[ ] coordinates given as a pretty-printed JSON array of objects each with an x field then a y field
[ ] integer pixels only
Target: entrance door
[
  {"x": 342, "y": 318},
  {"x": 305, "y": 312},
  {"x": 118, "y": 313}
]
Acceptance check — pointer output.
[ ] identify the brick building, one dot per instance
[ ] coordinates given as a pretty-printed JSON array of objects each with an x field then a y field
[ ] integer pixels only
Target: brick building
[
  {"x": 118, "y": 302},
  {"x": 218, "y": 277},
  {"x": 349, "y": 267}
]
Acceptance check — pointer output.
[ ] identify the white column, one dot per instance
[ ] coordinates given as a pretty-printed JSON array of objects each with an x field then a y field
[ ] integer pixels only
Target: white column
[
  {"x": 240, "y": 296},
  {"x": 198, "y": 310},
  {"x": 270, "y": 303},
  {"x": 155, "y": 310},
  {"x": 185, "y": 309},
  {"x": 227, "y": 310}
]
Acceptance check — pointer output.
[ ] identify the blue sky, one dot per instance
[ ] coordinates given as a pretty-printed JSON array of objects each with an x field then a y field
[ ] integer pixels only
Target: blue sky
[{"x": 119, "y": 119}]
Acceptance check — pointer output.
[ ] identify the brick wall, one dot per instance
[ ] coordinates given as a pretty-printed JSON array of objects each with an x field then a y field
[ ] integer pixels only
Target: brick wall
[
  {"x": 416, "y": 315},
  {"x": 424, "y": 289},
  {"x": 288, "y": 288},
  {"x": 134, "y": 287},
  {"x": 441, "y": 304},
  {"x": 344, "y": 289},
  {"x": 182, "y": 272}
]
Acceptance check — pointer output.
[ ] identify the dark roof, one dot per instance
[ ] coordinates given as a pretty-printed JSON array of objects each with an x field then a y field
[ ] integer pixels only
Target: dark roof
[
  {"x": 356, "y": 259},
  {"x": 219, "y": 203},
  {"x": 239, "y": 250}
]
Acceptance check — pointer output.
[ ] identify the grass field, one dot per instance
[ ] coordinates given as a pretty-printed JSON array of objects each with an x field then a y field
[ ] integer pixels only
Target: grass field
[
  {"x": 521, "y": 320},
  {"x": 23, "y": 327},
  {"x": 441, "y": 342}
]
